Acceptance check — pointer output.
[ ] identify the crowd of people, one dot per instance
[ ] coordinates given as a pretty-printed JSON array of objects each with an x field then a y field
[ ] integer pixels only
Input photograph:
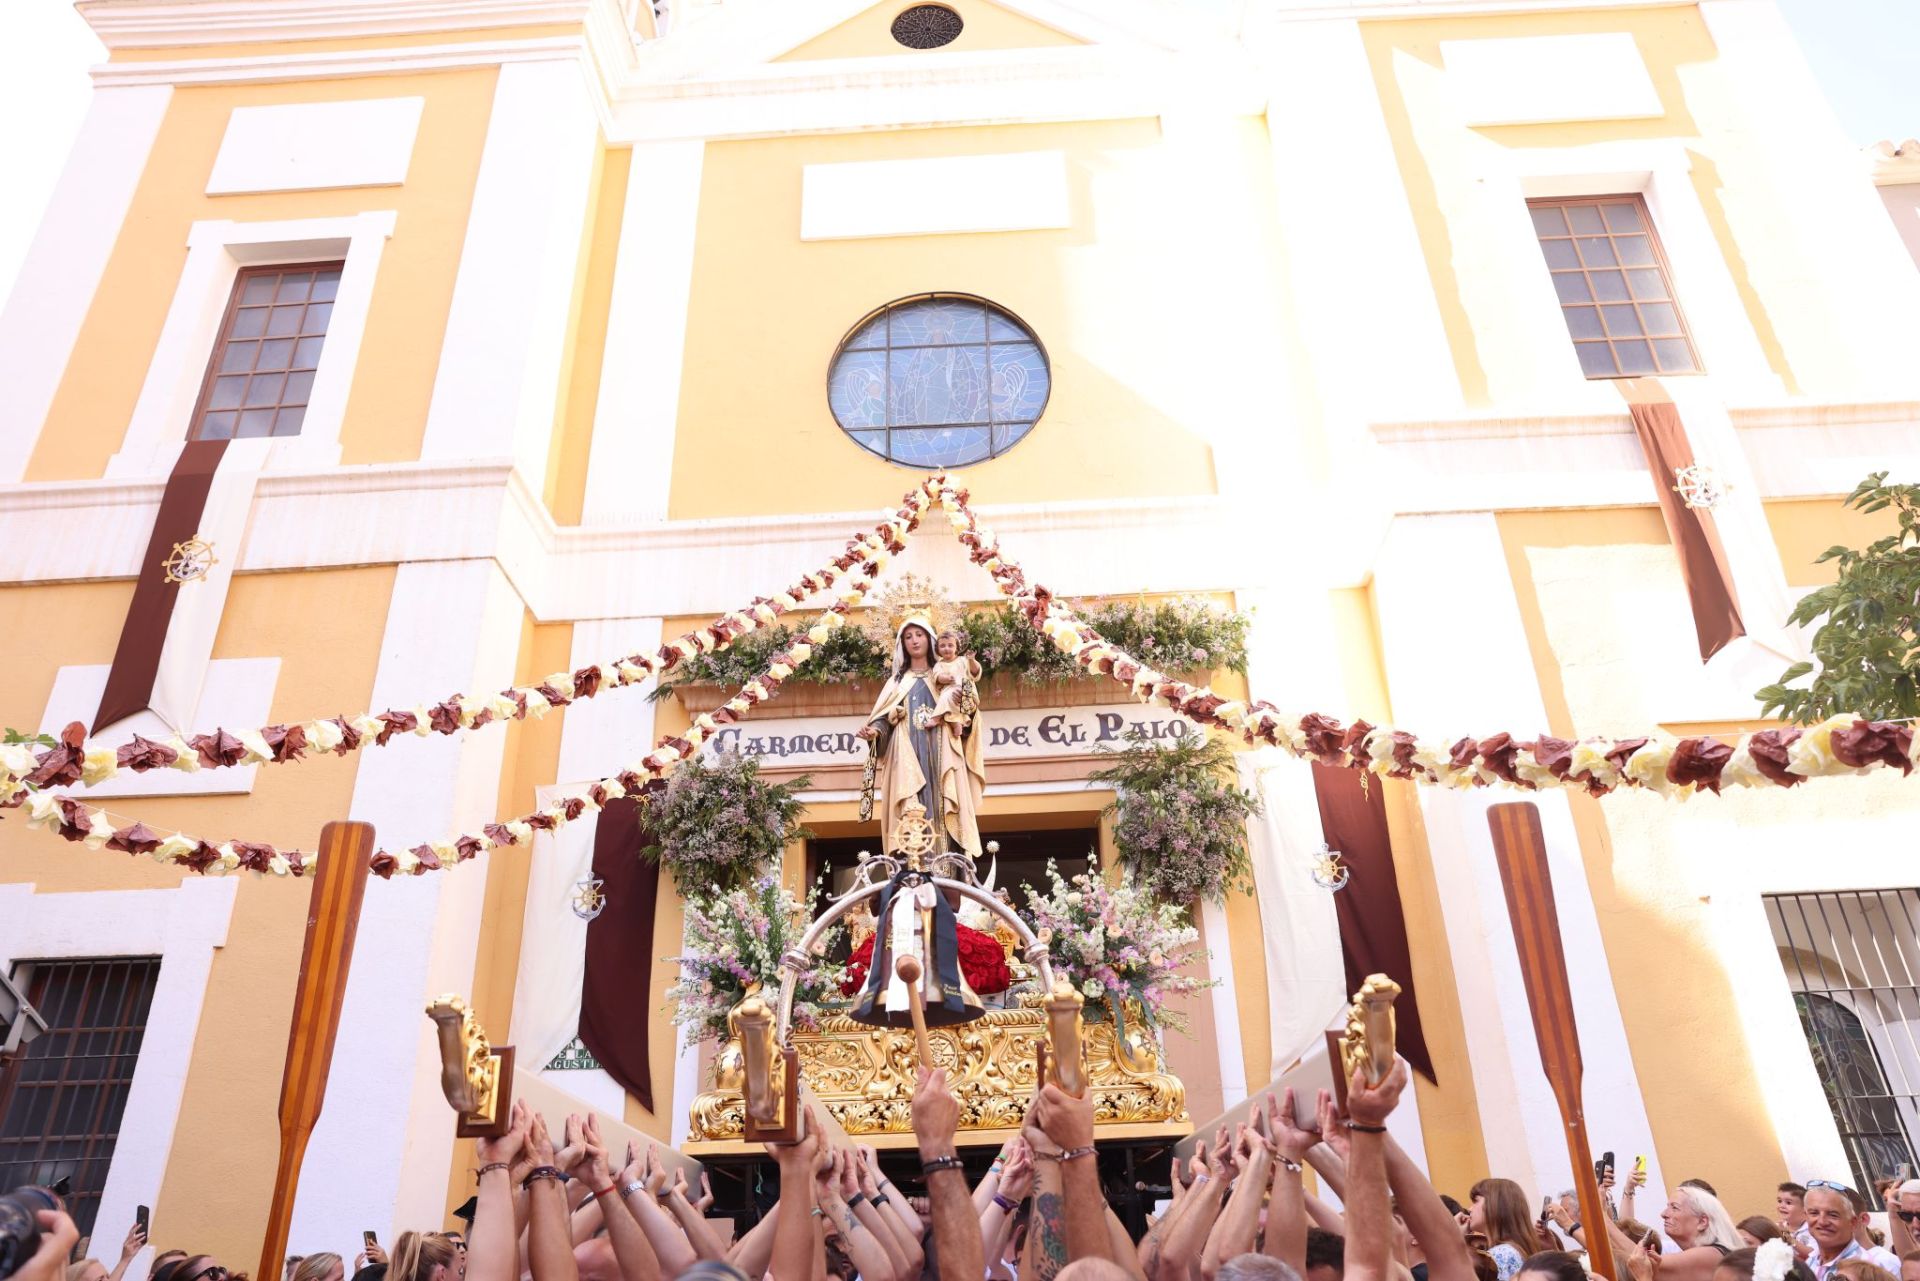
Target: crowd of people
[{"x": 1240, "y": 1210}]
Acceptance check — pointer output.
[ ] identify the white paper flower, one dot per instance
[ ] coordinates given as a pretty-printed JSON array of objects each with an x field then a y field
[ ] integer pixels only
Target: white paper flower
[
  {"x": 521, "y": 833},
  {"x": 368, "y": 725},
  {"x": 1590, "y": 758},
  {"x": 174, "y": 849},
  {"x": 255, "y": 749},
  {"x": 17, "y": 759},
  {"x": 1812, "y": 753},
  {"x": 502, "y": 707},
  {"x": 630, "y": 674},
  {"x": 280, "y": 866},
  {"x": 1648, "y": 767},
  {"x": 537, "y": 704},
  {"x": 1741, "y": 769},
  {"x": 322, "y": 735},
  {"x": 98, "y": 765},
  {"x": 43, "y": 809},
  {"x": 614, "y": 788},
  {"x": 779, "y": 671},
  {"x": 185, "y": 759},
  {"x": 406, "y": 863}
]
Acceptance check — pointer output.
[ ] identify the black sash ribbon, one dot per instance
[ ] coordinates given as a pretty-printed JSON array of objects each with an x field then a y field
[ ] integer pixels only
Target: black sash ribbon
[{"x": 871, "y": 1005}]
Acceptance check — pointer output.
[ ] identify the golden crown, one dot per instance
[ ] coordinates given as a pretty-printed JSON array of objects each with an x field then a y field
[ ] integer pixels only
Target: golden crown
[{"x": 907, "y": 599}]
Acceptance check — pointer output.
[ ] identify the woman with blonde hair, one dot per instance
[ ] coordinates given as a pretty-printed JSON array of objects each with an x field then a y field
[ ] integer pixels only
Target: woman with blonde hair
[
  {"x": 421, "y": 1256},
  {"x": 320, "y": 1267},
  {"x": 1498, "y": 1210}
]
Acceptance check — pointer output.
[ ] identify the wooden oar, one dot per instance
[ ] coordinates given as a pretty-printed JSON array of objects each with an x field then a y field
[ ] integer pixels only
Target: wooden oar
[
  {"x": 1522, "y": 854},
  {"x": 908, "y": 968}
]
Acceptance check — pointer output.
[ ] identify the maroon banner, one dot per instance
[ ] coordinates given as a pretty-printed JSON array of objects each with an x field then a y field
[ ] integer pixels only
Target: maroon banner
[
  {"x": 1703, "y": 561},
  {"x": 136, "y": 660},
  {"x": 615, "y": 996},
  {"x": 1373, "y": 928}
]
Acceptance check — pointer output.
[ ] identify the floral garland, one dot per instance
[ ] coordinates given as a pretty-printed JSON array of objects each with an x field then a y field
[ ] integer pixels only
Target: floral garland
[
  {"x": 72, "y": 760},
  {"x": 717, "y": 823},
  {"x": 1657, "y": 762},
  {"x": 75, "y": 821},
  {"x": 1179, "y": 823}
]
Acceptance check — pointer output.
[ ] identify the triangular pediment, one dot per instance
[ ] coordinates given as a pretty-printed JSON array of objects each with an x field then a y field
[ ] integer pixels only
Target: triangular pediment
[
  {"x": 734, "y": 37},
  {"x": 982, "y": 24}
]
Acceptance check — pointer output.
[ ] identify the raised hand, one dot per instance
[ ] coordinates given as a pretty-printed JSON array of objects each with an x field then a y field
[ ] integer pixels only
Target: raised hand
[
  {"x": 1332, "y": 1133},
  {"x": 574, "y": 1152},
  {"x": 135, "y": 1242},
  {"x": 656, "y": 1174},
  {"x": 539, "y": 1142},
  {"x": 1294, "y": 1143},
  {"x": 632, "y": 1169},
  {"x": 1017, "y": 1179},
  {"x": 1373, "y": 1104},
  {"x": 507, "y": 1147},
  {"x": 705, "y": 1202},
  {"x": 936, "y": 1114},
  {"x": 849, "y": 1169}
]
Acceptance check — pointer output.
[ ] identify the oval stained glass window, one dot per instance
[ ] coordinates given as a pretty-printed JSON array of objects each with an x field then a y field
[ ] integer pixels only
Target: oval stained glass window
[
  {"x": 939, "y": 380},
  {"x": 927, "y": 26}
]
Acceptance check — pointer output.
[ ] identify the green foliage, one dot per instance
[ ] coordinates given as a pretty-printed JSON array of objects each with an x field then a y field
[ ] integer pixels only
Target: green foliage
[
  {"x": 1868, "y": 649},
  {"x": 14, "y": 736},
  {"x": 719, "y": 824},
  {"x": 1179, "y": 636},
  {"x": 1180, "y": 824}
]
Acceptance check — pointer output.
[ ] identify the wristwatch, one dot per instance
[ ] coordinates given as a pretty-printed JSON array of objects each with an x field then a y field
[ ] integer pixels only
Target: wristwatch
[{"x": 633, "y": 1187}]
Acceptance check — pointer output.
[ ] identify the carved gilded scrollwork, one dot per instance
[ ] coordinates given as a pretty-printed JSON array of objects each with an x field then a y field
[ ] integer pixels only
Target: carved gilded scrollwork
[{"x": 865, "y": 1076}]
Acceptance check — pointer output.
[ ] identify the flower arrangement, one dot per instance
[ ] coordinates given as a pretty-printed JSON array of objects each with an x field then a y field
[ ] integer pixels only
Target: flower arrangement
[
  {"x": 717, "y": 823},
  {"x": 1115, "y": 944},
  {"x": 1179, "y": 822},
  {"x": 734, "y": 941},
  {"x": 1180, "y": 635}
]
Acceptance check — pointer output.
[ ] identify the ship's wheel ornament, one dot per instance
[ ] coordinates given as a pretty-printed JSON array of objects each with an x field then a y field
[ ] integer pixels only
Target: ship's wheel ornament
[
  {"x": 189, "y": 561},
  {"x": 913, "y": 836},
  {"x": 1700, "y": 486},
  {"x": 1329, "y": 873},
  {"x": 589, "y": 898}
]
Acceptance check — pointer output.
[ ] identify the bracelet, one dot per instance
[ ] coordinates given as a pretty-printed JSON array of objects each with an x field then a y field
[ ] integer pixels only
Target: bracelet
[
  {"x": 939, "y": 1163},
  {"x": 1364, "y": 1129},
  {"x": 540, "y": 1172},
  {"x": 600, "y": 1192},
  {"x": 1005, "y": 1204},
  {"x": 489, "y": 1168},
  {"x": 1201, "y": 1178},
  {"x": 817, "y": 1213},
  {"x": 1292, "y": 1167},
  {"x": 879, "y": 1199},
  {"x": 1071, "y": 1154},
  {"x": 856, "y": 1199},
  {"x": 633, "y": 1187}
]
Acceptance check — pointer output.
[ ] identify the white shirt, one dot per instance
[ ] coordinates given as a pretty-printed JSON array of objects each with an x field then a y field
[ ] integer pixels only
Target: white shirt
[{"x": 1873, "y": 1254}]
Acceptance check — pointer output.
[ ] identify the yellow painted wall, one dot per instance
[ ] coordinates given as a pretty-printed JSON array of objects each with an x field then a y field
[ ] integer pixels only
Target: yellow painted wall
[
  {"x": 1431, "y": 154},
  {"x": 325, "y": 627},
  {"x": 387, "y": 407},
  {"x": 566, "y": 486},
  {"x": 985, "y": 26},
  {"x": 1655, "y": 928},
  {"x": 1111, "y": 303}
]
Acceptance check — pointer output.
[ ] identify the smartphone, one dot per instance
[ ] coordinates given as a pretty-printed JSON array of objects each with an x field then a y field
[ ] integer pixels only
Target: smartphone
[
  {"x": 368, "y": 1239},
  {"x": 1639, "y": 1165},
  {"x": 1603, "y": 1166},
  {"x": 140, "y": 1217},
  {"x": 62, "y": 1187}
]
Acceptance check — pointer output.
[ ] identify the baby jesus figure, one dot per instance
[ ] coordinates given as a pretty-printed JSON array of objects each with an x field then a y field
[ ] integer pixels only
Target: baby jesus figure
[{"x": 956, "y": 685}]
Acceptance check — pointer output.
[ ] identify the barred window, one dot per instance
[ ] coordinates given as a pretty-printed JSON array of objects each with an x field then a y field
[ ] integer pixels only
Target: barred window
[{"x": 62, "y": 1097}]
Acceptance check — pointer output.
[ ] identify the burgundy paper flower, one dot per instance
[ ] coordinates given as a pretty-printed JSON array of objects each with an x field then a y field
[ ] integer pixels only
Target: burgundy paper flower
[
  {"x": 74, "y": 823},
  {"x": 135, "y": 838},
  {"x": 1555, "y": 755},
  {"x": 574, "y": 807},
  {"x": 285, "y": 742},
  {"x": 1866, "y": 742},
  {"x": 1769, "y": 751},
  {"x": 1496, "y": 754},
  {"x": 255, "y": 856},
  {"x": 395, "y": 722},
  {"x": 1623, "y": 752},
  {"x": 203, "y": 857},
  {"x": 552, "y": 695},
  {"x": 498, "y": 834},
  {"x": 60, "y": 764},
  {"x": 466, "y": 847},
  {"x": 382, "y": 865},
  {"x": 143, "y": 754},
  {"x": 349, "y": 736},
  {"x": 429, "y": 861},
  {"x": 1325, "y": 736},
  {"x": 217, "y": 749},
  {"x": 540, "y": 821},
  {"x": 586, "y": 682},
  {"x": 1699, "y": 761},
  {"x": 444, "y": 717}
]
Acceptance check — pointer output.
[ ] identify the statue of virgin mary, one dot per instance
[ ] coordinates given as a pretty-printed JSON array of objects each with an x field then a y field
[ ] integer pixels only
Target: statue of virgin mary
[{"x": 939, "y": 765}]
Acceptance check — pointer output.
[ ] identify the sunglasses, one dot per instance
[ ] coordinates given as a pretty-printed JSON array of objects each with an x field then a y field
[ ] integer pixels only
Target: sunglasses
[
  {"x": 1909, "y": 1216},
  {"x": 1829, "y": 1184}
]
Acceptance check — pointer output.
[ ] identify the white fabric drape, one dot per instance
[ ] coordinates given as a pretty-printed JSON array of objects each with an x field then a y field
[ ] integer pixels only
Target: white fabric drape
[
  {"x": 553, "y": 943},
  {"x": 1306, "y": 978}
]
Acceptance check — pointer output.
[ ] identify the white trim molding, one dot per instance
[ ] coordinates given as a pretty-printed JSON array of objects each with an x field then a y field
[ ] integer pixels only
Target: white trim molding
[
  {"x": 312, "y": 146},
  {"x": 216, "y": 250},
  {"x": 183, "y": 926}
]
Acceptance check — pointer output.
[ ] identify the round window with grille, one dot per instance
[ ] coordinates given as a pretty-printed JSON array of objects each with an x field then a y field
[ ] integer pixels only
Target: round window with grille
[
  {"x": 939, "y": 380},
  {"x": 927, "y": 26}
]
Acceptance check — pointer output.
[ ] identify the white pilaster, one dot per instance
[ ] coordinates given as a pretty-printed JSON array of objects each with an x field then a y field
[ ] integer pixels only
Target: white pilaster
[
  {"x": 1439, "y": 568},
  {"x": 495, "y": 391},
  {"x": 380, "y": 1154},
  {"x": 639, "y": 406},
  {"x": 69, "y": 254},
  {"x": 1226, "y": 1005}
]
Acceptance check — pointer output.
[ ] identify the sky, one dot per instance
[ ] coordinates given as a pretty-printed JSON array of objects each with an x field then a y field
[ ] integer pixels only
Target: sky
[{"x": 1862, "y": 51}]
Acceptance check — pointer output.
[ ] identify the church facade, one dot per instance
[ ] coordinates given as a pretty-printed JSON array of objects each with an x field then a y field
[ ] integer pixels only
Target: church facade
[{"x": 460, "y": 344}]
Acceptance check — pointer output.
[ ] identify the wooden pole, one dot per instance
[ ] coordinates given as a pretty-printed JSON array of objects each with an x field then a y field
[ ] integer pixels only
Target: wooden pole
[
  {"x": 1522, "y": 853},
  {"x": 333, "y": 916},
  {"x": 908, "y": 968}
]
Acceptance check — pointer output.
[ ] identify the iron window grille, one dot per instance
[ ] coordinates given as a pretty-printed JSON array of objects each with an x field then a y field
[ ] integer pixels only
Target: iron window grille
[
  {"x": 62, "y": 1097},
  {"x": 1852, "y": 958}
]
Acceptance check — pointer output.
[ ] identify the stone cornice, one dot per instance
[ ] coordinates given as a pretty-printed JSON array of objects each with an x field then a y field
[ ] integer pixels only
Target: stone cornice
[{"x": 153, "y": 24}]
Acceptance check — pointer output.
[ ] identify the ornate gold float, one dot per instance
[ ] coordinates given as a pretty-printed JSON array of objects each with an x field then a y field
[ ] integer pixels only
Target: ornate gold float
[{"x": 864, "y": 1075}]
